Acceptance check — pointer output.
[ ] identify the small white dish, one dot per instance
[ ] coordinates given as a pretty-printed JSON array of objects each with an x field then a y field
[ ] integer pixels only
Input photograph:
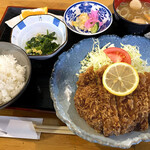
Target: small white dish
[
  {"x": 39, "y": 24},
  {"x": 72, "y": 12}
]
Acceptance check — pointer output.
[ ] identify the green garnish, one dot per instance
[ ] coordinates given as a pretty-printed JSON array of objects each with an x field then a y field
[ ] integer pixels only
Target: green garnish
[
  {"x": 95, "y": 28},
  {"x": 42, "y": 44},
  {"x": 97, "y": 58}
]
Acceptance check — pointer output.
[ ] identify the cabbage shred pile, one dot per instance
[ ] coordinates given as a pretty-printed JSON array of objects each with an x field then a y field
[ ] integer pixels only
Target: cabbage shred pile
[{"x": 97, "y": 58}]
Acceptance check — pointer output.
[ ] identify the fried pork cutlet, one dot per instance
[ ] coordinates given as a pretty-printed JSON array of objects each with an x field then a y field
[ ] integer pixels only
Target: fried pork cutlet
[
  {"x": 108, "y": 108},
  {"x": 95, "y": 105},
  {"x": 148, "y": 89},
  {"x": 86, "y": 99},
  {"x": 141, "y": 100},
  {"x": 133, "y": 108},
  {"x": 110, "y": 114}
]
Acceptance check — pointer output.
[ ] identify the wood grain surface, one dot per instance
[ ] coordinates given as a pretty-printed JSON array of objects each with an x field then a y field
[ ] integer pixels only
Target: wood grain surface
[{"x": 50, "y": 141}]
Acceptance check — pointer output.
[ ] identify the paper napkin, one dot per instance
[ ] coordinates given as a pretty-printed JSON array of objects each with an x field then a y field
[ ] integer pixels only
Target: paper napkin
[
  {"x": 19, "y": 127},
  {"x": 12, "y": 22}
]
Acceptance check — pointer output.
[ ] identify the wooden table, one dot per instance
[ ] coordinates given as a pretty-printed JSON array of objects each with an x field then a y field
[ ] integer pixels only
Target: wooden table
[{"x": 50, "y": 141}]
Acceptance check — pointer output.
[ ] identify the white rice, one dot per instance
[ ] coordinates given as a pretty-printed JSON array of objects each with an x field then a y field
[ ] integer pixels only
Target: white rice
[{"x": 12, "y": 78}]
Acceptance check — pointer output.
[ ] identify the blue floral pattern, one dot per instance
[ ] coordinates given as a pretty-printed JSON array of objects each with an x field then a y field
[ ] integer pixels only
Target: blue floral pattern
[
  {"x": 85, "y": 8},
  {"x": 71, "y": 14},
  {"x": 102, "y": 13},
  {"x": 76, "y": 9}
]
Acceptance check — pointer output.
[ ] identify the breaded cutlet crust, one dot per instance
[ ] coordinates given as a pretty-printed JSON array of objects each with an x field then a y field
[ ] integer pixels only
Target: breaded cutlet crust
[
  {"x": 95, "y": 105},
  {"x": 87, "y": 105},
  {"x": 141, "y": 100},
  {"x": 110, "y": 114},
  {"x": 148, "y": 89},
  {"x": 86, "y": 99},
  {"x": 133, "y": 108},
  {"x": 108, "y": 108}
]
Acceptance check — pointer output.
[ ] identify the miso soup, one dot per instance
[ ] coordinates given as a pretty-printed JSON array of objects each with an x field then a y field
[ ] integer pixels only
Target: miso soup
[{"x": 141, "y": 15}]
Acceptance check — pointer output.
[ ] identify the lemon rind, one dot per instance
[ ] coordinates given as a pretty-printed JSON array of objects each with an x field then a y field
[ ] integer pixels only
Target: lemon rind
[{"x": 121, "y": 93}]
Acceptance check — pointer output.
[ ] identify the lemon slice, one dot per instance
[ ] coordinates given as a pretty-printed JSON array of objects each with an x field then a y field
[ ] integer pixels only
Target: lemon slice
[
  {"x": 28, "y": 12},
  {"x": 120, "y": 79}
]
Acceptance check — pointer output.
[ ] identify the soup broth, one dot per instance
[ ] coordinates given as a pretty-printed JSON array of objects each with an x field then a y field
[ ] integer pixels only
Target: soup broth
[{"x": 141, "y": 15}]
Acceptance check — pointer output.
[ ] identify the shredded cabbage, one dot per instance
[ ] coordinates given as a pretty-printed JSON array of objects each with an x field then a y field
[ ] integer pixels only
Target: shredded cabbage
[{"x": 97, "y": 58}]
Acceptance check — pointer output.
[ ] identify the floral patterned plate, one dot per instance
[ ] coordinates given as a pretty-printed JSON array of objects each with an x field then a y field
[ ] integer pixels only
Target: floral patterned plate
[{"x": 105, "y": 16}]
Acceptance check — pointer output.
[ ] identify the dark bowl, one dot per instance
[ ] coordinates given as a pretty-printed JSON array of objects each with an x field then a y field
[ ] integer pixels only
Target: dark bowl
[
  {"x": 23, "y": 60},
  {"x": 130, "y": 27}
]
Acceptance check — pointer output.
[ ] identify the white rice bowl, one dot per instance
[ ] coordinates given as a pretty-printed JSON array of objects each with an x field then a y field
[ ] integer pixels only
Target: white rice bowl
[{"x": 12, "y": 78}]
